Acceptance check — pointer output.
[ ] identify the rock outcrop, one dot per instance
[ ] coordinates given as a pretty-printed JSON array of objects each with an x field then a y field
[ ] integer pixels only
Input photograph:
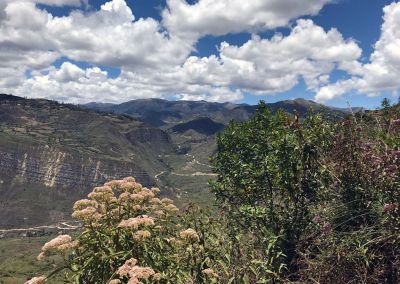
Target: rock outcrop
[{"x": 54, "y": 168}]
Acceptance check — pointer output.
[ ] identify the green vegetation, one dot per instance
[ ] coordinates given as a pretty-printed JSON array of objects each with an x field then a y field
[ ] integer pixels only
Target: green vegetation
[
  {"x": 131, "y": 235},
  {"x": 310, "y": 200},
  {"x": 317, "y": 200},
  {"x": 18, "y": 260},
  {"x": 69, "y": 128}
]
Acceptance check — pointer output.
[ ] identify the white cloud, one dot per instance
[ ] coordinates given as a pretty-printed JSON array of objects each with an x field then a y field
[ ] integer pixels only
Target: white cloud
[
  {"x": 211, "y": 17},
  {"x": 155, "y": 61},
  {"x": 111, "y": 37},
  {"x": 31, "y": 38},
  {"x": 260, "y": 66},
  {"x": 68, "y": 72},
  {"x": 382, "y": 72},
  {"x": 59, "y": 3},
  {"x": 213, "y": 95},
  {"x": 263, "y": 66}
]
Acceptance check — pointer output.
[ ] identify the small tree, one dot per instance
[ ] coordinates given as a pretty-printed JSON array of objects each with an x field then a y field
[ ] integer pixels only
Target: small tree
[
  {"x": 386, "y": 103},
  {"x": 269, "y": 175}
]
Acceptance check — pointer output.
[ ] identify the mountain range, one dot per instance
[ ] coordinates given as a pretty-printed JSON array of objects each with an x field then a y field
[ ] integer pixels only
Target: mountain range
[{"x": 164, "y": 113}]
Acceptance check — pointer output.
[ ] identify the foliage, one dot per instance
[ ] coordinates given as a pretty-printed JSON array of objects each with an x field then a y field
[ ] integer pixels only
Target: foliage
[
  {"x": 301, "y": 200},
  {"x": 269, "y": 176},
  {"x": 312, "y": 190},
  {"x": 131, "y": 236}
]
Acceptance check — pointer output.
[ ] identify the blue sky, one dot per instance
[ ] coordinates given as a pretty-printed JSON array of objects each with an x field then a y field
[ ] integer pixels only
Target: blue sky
[{"x": 122, "y": 50}]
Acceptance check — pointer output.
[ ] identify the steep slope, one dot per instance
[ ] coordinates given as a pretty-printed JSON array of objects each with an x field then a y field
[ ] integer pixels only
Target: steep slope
[
  {"x": 202, "y": 125},
  {"x": 58, "y": 152}
]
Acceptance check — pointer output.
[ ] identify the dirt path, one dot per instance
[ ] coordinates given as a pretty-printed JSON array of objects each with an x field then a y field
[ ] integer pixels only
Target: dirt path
[
  {"x": 193, "y": 174},
  {"x": 159, "y": 174},
  {"x": 62, "y": 226},
  {"x": 192, "y": 160}
]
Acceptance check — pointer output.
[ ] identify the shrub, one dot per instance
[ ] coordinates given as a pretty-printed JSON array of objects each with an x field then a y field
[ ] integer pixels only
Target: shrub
[
  {"x": 131, "y": 236},
  {"x": 269, "y": 174}
]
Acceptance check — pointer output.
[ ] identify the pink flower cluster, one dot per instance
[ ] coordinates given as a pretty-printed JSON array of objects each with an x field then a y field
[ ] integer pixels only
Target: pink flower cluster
[
  {"x": 87, "y": 214},
  {"x": 210, "y": 273},
  {"x": 103, "y": 193},
  {"x": 141, "y": 234},
  {"x": 84, "y": 203},
  {"x": 61, "y": 243},
  {"x": 36, "y": 280},
  {"x": 134, "y": 223},
  {"x": 189, "y": 235},
  {"x": 135, "y": 273},
  {"x": 389, "y": 207}
]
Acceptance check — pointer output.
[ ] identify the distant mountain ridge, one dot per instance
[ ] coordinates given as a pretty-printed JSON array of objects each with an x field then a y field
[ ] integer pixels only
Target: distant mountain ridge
[{"x": 166, "y": 114}]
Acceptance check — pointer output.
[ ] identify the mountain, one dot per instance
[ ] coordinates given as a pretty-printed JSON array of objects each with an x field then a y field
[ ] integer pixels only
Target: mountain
[
  {"x": 202, "y": 125},
  {"x": 52, "y": 154},
  {"x": 158, "y": 112},
  {"x": 166, "y": 114}
]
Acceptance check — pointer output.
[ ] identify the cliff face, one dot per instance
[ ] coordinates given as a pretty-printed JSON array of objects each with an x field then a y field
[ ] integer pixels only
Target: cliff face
[
  {"x": 55, "y": 168},
  {"x": 38, "y": 185}
]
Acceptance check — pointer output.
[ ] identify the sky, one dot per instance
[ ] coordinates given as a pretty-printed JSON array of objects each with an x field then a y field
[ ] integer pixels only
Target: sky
[{"x": 336, "y": 52}]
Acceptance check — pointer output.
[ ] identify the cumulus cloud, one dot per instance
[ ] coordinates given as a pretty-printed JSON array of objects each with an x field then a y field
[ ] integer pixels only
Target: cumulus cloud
[
  {"x": 210, "y": 17},
  {"x": 74, "y": 84},
  {"x": 31, "y": 38},
  {"x": 23, "y": 43},
  {"x": 275, "y": 65},
  {"x": 155, "y": 57},
  {"x": 266, "y": 66},
  {"x": 111, "y": 37},
  {"x": 382, "y": 72},
  {"x": 260, "y": 66}
]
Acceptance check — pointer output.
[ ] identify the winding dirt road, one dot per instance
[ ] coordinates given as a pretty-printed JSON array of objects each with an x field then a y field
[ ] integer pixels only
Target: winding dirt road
[{"x": 61, "y": 226}]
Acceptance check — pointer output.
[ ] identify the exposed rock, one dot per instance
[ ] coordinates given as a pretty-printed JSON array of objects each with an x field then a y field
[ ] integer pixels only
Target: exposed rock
[{"x": 54, "y": 168}]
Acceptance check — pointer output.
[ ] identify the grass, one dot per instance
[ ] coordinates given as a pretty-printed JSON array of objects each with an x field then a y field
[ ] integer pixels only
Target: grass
[{"x": 18, "y": 260}]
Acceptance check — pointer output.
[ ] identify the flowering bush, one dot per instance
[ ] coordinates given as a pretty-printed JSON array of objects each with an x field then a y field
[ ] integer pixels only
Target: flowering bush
[
  {"x": 361, "y": 206},
  {"x": 131, "y": 236}
]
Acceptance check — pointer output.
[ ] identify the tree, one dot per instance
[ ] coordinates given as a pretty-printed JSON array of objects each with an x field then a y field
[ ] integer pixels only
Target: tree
[
  {"x": 386, "y": 103},
  {"x": 269, "y": 174}
]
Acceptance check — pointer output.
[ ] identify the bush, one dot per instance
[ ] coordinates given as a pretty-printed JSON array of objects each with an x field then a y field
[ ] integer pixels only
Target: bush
[
  {"x": 131, "y": 236},
  {"x": 269, "y": 175}
]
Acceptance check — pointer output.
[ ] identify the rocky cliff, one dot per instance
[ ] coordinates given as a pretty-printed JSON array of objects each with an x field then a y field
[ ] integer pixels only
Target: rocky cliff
[{"x": 54, "y": 168}]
